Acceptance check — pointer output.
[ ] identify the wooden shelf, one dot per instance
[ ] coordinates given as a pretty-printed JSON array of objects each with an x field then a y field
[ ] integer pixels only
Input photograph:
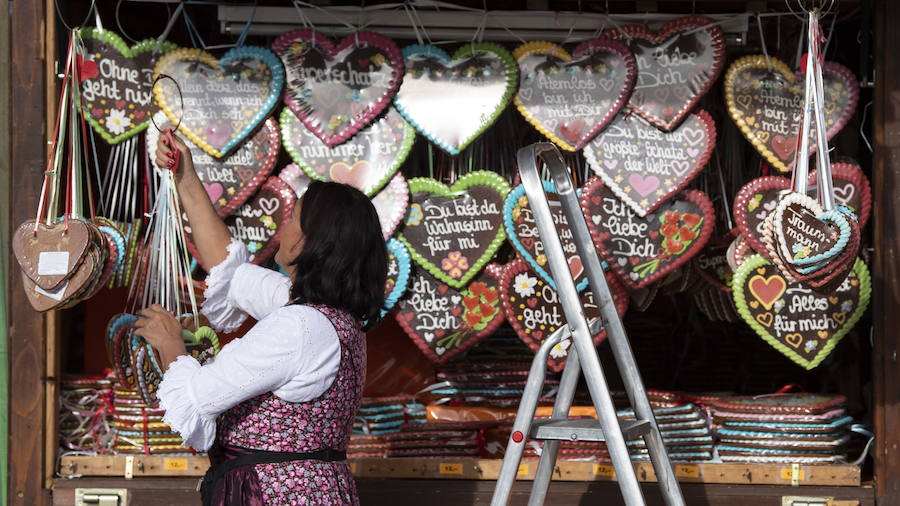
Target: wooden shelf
[{"x": 486, "y": 469}]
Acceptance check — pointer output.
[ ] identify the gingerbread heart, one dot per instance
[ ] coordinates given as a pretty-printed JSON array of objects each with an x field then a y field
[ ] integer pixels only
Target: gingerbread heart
[
  {"x": 765, "y": 99},
  {"x": 444, "y": 321},
  {"x": 367, "y": 161},
  {"x": 807, "y": 236},
  {"x": 257, "y": 223},
  {"x": 453, "y": 100},
  {"x": 336, "y": 90},
  {"x": 117, "y": 83},
  {"x": 571, "y": 100},
  {"x": 799, "y": 322},
  {"x": 51, "y": 253},
  {"x": 850, "y": 187},
  {"x": 642, "y": 250},
  {"x": 218, "y": 103},
  {"x": 398, "y": 274},
  {"x": 522, "y": 231},
  {"x": 712, "y": 263},
  {"x": 754, "y": 203},
  {"x": 452, "y": 232},
  {"x": 391, "y": 203},
  {"x": 676, "y": 66},
  {"x": 533, "y": 309},
  {"x": 646, "y": 167},
  {"x": 231, "y": 180}
]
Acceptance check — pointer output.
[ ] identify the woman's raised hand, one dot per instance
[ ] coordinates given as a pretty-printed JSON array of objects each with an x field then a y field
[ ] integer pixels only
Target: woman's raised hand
[{"x": 165, "y": 156}]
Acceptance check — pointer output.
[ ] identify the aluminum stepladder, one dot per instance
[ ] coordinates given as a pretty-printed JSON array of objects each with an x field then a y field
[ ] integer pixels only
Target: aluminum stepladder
[{"x": 582, "y": 358}]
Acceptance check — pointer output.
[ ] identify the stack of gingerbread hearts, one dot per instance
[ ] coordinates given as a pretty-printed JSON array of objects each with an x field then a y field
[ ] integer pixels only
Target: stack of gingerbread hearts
[
  {"x": 65, "y": 262},
  {"x": 813, "y": 242}
]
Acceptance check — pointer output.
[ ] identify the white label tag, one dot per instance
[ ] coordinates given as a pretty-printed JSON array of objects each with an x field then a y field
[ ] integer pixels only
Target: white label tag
[
  {"x": 55, "y": 294},
  {"x": 53, "y": 263}
]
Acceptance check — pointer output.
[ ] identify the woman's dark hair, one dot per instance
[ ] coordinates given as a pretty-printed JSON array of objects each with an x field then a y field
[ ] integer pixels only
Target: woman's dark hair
[{"x": 344, "y": 260}]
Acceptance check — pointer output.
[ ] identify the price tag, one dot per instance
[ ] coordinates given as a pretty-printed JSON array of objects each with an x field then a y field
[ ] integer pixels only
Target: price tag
[
  {"x": 523, "y": 470},
  {"x": 793, "y": 473},
  {"x": 172, "y": 464},
  {"x": 687, "y": 471},
  {"x": 450, "y": 468},
  {"x": 604, "y": 470}
]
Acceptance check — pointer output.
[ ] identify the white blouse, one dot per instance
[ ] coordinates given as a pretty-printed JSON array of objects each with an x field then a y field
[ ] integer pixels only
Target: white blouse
[{"x": 293, "y": 351}]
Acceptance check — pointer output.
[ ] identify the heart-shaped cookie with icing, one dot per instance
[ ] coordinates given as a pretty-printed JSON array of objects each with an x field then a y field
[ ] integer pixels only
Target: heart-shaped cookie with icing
[
  {"x": 117, "y": 82},
  {"x": 338, "y": 89},
  {"x": 452, "y": 232},
  {"x": 367, "y": 161},
  {"x": 644, "y": 166},
  {"x": 452, "y": 100},
  {"x": 642, "y": 250},
  {"x": 806, "y": 238},
  {"x": 444, "y": 321},
  {"x": 765, "y": 99},
  {"x": 534, "y": 311},
  {"x": 571, "y": 98},
  {"x": 522, "y": 231},
  {"x": 676, "y": 66},
  {"x": 399, "y": 266},
  {"x": 218, "y": 103},
  {"x": 801, "y": 323}
]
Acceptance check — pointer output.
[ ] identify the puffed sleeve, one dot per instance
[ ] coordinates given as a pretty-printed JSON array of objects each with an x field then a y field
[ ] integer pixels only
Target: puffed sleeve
[
  {"x": 236, "y": 288},
  {"x": 294, "y": 353}
]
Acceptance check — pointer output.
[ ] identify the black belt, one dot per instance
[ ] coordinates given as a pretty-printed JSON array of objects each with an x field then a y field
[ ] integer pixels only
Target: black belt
[{"x": 255, "y": 457}]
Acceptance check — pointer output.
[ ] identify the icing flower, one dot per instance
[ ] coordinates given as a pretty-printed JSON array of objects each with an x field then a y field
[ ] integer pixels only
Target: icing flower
[
  {"x": 454, "y": 264},
  {"x": 335, "y": 121},
  {"x": 253, "y": 247},
  {"x": 779, "y": 305},
  {"x": 847, "y": 306},
  {"x": 117, "y": 121},
  {"x": 561, "y": 349},
  {"x": 414, "y": 215},
  {"x": 541, "y": 259},
  {"x": 268, "y": 222},
  {"x": 811, "y": 345},
  {"x": 524, "y": 285},
  {"x": 523, "y": 201}
]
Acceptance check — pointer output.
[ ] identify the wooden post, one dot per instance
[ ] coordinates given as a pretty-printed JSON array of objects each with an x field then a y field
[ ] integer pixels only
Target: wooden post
[
  {"x": 885, "y": 294},
  {"x": 27, "y": 340}
]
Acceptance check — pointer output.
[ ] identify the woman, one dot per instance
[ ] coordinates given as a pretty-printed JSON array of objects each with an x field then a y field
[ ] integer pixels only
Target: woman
[{"x": 275, "y": 408}]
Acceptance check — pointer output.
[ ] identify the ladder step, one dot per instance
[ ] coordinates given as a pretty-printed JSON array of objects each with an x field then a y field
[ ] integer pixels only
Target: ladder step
[{"x": 586, "y": 429}]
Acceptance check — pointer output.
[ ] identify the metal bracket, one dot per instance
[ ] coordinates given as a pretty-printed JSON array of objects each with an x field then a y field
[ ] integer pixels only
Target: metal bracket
[{"x": 101, "y": 496}]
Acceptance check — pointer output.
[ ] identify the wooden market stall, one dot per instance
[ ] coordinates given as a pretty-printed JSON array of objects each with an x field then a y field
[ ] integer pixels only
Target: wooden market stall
[{"x": 39, "y": 352}]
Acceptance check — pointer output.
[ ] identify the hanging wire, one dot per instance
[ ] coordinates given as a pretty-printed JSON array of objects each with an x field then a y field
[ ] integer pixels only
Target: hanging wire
[{"x": 62, "y": 19}]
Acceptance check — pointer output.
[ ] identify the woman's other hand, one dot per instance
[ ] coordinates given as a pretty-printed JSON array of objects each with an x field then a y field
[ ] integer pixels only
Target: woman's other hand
[{"x": 162, "y": 331}]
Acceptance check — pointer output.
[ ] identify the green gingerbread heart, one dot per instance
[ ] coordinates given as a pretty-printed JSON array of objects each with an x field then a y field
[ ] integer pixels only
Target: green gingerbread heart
[
  {"x": 799, "y": 322},
  {"x": 117, "y": 83},
  {"x": 452, "y": 232}
]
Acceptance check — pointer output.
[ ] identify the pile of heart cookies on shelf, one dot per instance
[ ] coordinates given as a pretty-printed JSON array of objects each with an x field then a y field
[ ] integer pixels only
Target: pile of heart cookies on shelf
[{"x": 138, "y": 366}]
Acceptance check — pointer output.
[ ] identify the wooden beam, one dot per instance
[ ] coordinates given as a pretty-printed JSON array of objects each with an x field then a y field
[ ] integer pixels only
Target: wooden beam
[
  {"x": 27, "y": 340},
  {"x": 483, "y": 469},
  {"x": 886, "y": 275}
]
